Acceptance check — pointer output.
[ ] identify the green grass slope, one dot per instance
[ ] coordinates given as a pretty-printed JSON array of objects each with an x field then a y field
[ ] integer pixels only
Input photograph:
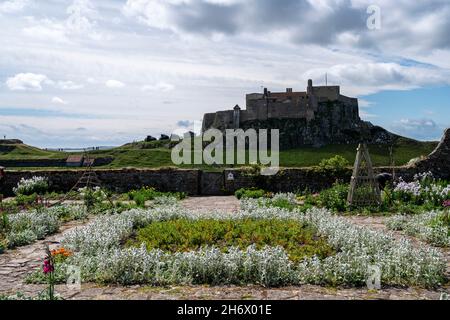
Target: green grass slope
[{"x": 23, "y": 151}]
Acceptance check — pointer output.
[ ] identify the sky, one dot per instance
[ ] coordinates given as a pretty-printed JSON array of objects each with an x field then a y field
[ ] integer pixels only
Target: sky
[{"x": 79, "y": 73}]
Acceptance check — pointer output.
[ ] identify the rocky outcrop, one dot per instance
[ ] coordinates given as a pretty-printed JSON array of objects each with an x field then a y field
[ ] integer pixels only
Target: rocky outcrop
[
  {"x": 438, "y": 162},
  {"x": 10, "y": 141},
  {"x": 330, "y": 126}
]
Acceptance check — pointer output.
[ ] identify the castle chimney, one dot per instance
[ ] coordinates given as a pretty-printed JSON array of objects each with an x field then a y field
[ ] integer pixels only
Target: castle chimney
[
  {"x": 310, "y": 86},
  {"x": 236, "y": 117}
]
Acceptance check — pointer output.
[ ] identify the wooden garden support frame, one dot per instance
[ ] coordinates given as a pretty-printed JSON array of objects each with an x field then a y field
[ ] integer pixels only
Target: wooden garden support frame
[{"x": 364, "y": 189}]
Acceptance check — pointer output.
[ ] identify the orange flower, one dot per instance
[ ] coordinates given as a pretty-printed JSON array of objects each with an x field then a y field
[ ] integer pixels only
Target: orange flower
[{"x": 61, "y": 252}]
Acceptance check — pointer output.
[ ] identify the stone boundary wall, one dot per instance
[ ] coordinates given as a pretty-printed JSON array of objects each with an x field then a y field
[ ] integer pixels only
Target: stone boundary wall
[
  {"x": 37, "y": 163},
  {"x": 43, "y": 163},
  {"x": 193, "y": 182},
  {"x": 121, "y": 180}
]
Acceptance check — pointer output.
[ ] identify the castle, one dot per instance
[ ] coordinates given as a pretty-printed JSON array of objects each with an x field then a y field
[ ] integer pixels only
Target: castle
[{"x": 318, "y": 116}]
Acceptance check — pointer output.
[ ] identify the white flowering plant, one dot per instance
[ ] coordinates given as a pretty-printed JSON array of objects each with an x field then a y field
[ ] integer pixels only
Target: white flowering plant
[
  {"x": 423, "y": 190},
  {"x": 99, "y": 252},
  {"x": 28, "y": 187}
]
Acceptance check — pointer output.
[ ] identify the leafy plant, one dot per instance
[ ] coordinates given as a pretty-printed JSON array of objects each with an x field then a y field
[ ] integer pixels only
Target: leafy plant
[
  {"x": 26, "y": 200},
  {"x": 92, "y": 196},
  {"x": 335, "y": 165},
  {"x": 252, "y": 193},
  {"x": 335, "y": 198},
  {"x": 299, "y": 240},
  {"x": 148, "y": 194},
  {"x": 3, "y": 244}
]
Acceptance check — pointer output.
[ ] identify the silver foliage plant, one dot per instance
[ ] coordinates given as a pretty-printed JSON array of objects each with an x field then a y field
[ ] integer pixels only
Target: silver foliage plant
[
  {"x": 99, "y": 252},
  {"x": 28, "y": 226},
  {"x": 426, "y": 226}
]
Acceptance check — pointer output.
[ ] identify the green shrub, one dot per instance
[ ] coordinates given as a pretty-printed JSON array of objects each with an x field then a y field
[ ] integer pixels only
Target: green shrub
[
  {"x": 140, "y": 199},
  {"x": 3, "y": 245},
  {"x": 252, "y": 193},
  {"x": 147, "y": 194},
  {"x": 335, "y": 164},
  {"x": 26, "y": 200},
  {"x": 184, "y": 235},
  {"x": 335, "y": 198}
]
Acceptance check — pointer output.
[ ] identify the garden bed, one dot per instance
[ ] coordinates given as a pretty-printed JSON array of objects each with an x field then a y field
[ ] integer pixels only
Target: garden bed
[
  {"x": 182, "y": 235},
  {"x": 105, "y": 254}
]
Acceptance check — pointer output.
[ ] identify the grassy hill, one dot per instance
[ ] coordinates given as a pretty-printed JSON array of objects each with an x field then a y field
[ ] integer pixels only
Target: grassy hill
[
  {"x": 19, "y": 151},
  {"x": 158, "y": 154}
]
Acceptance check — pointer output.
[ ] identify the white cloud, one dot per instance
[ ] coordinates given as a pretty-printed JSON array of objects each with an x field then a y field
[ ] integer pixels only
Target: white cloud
[
  {"x": 69, "y": 85},
  {"x": 114, "y": 84},
  {"x": 423, "y": 129},
  {"x": 45, "y": 30},
  {"x": 158, "y": 87},
  {"x": 367, "y": 78},
  {"x": 13, "y": 6},
  {"x": 80, "y": 24},
  {"x": 26, "y": 81},
  {"x": 154, "y": 13},
  {"x": 58, "y": 100}
]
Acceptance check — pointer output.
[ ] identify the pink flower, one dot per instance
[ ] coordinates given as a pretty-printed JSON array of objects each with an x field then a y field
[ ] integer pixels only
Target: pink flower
[
  {"x": 48, "y": 267},
  {"x": 446, "y": 203}
]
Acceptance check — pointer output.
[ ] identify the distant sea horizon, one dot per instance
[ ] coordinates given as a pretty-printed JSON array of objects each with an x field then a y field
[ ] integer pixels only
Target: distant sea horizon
[{"x": 81, "y": 149}]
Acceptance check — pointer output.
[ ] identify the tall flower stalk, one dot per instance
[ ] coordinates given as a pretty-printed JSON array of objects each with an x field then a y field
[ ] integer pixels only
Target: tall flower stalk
[{"x": 49, "y": 271}]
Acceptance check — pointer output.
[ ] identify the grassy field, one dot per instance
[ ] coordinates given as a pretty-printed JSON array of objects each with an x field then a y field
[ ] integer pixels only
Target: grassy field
[{"x": 157, "y": 154}]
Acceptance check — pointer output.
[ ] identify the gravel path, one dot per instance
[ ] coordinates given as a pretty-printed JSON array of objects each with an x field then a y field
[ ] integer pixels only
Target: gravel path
[{"x": 16, "y": 264}]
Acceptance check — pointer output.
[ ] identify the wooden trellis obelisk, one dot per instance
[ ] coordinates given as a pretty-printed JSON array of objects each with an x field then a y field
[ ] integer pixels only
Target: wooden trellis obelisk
[{"x": 364, "y": 188}]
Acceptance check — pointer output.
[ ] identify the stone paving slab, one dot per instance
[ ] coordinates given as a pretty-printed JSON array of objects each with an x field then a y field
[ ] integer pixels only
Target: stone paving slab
[{"x": 228, "y": 204}]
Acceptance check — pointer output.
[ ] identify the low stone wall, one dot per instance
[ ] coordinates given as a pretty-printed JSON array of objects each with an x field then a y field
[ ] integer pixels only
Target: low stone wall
[
  {"x": 37, "y": 163},
  {"x": 193, "y": 182},
  {"x": 121, "y": 180},
  {"x": 286, "y": 180},
  {"x": 44, "y": 163}
]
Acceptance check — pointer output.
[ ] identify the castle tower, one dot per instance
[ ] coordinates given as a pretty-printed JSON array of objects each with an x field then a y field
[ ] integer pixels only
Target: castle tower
[
  {"x": 311, "y": 105},
  {"x": 236, "y": 117}
]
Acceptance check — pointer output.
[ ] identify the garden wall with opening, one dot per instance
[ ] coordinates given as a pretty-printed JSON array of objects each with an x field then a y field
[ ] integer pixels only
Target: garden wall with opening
[{"x": 193, "y": 182}]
